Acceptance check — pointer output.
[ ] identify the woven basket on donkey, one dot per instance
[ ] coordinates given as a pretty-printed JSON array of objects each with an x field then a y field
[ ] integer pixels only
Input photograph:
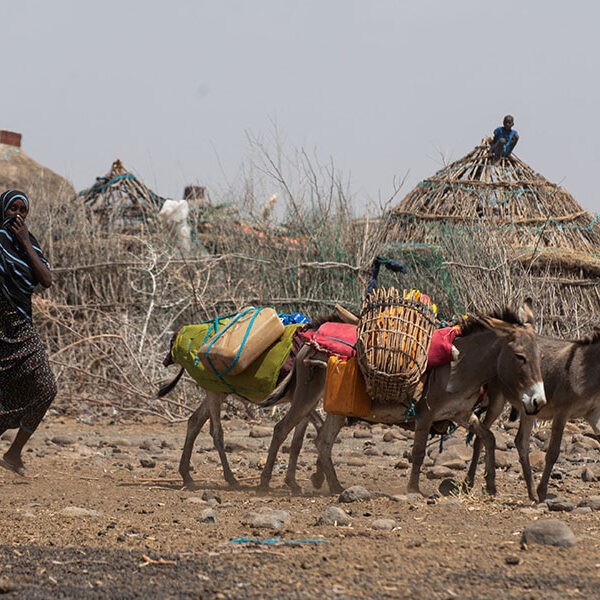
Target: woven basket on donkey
[{"x": 394, "y": 334}]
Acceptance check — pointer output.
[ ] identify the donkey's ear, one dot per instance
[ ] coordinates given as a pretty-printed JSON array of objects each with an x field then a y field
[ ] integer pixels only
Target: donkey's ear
[
  {"x": 498, "y": 326},
  {"x": 346, "y": 315},
  {"x": 526, "y": 315}
]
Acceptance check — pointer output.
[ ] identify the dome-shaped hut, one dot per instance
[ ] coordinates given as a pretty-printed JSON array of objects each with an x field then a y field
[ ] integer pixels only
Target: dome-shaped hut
[
  {"x": 120, "y": 199},
  {"x": 481, "y": 224},
  {"x": 19, "y": 171}
]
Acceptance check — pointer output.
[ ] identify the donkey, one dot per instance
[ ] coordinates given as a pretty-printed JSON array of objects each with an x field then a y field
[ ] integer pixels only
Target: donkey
[
  {"x": 503, "y": 351},
  {"x": 303, "y": 388},
  {"x": 572, "y": 382}
]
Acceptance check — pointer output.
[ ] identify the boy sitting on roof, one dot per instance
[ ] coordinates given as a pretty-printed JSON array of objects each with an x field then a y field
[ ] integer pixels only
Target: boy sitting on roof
[{"x": 505, "y": 138}]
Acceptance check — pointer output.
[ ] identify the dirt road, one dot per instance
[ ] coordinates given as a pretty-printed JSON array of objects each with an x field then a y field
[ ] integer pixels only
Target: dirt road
[{"x": 91, "y": 522}]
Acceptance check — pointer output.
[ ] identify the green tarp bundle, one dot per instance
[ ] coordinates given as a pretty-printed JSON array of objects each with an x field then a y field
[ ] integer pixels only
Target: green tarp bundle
[{"x": 255, "y": 383}]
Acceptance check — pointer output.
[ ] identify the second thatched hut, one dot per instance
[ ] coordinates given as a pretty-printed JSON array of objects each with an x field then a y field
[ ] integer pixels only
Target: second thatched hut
[{"x": 487, "y": 232}]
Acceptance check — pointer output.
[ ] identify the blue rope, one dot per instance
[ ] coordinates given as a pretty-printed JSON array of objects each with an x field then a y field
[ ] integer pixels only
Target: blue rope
[
  {"x": 215, "y": 327},
  {"x": 270, "y": 541}
]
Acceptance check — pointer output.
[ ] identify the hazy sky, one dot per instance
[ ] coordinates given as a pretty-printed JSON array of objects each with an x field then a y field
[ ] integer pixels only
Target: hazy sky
[{"x": 381, "y": 86}]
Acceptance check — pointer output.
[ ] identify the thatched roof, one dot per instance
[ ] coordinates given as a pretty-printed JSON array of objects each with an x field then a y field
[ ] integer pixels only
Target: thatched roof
[
  {"x": 121, "y": 198},
  {"x": 19, "y": 171},
  {"x": 505, "y": 197}
]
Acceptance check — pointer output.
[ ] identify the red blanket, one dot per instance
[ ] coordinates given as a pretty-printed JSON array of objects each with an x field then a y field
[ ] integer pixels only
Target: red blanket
[{"x": 339, "y": 339}]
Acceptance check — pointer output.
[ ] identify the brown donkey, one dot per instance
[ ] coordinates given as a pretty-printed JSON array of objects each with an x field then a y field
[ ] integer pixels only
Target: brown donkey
[
  {"x": 571, "y": 372},
  {"x": 499, "y": 351},
  {"x": 302, "y": 389}
]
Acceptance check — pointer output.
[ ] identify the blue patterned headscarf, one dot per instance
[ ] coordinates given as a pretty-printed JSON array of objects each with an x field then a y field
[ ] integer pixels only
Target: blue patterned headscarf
[{"x": 17, "y": 279}]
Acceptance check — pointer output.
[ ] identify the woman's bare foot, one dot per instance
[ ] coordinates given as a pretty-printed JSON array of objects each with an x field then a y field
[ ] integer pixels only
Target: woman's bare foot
[{"x": 14, "y": 464}]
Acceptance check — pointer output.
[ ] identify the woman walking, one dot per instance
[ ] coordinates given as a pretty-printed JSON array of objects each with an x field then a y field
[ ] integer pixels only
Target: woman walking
[{"x": 27, "y": 385}]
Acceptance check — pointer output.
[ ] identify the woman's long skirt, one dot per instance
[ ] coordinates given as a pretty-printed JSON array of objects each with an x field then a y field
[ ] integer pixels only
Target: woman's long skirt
[{"x": 27, "y": 384}]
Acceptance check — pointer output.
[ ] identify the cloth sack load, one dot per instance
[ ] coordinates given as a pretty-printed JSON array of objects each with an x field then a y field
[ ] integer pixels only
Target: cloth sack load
[
  {"x": 339, "y": 339},
  {"x": 255, "y": 383}
]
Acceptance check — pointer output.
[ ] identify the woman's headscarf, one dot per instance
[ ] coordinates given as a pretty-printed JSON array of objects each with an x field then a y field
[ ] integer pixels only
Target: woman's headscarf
[{"x": 17, "y": 279}]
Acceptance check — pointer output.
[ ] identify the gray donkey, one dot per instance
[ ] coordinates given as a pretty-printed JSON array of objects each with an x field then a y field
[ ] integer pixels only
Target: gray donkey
[
  {"x": 572, "y": 383},
  {"x": 496, "y": 351}
]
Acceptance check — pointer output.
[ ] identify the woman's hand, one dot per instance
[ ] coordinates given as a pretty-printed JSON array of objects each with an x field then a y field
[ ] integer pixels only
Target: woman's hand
[{"x": 20, "y": 230}]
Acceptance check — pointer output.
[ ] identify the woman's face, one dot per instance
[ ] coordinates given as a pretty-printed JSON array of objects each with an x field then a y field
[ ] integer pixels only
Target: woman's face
[{"x": 18, "y": 207}]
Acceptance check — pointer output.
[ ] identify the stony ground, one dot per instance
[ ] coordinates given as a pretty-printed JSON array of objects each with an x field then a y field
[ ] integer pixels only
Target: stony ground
[{"x": 103, "y": 515}]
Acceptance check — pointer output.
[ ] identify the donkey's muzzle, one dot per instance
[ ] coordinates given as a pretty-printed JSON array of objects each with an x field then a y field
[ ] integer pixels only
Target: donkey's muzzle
[{"x": 534, "y": 399}]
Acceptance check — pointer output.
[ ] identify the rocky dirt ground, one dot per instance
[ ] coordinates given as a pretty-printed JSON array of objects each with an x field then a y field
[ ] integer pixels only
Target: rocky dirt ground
[{"x": 102, "y": 514}]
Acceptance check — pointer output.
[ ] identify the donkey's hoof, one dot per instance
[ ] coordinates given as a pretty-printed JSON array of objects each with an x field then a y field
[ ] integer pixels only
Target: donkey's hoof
[
  {"x": 317, "y": 479},
  {"x": 234, "y": 484},
  {"x": 190, "y": 484},
  {"x": 294, "y": 488},
  {"x": 336, "y": 488},
  {"x": 262, "y": 488}
]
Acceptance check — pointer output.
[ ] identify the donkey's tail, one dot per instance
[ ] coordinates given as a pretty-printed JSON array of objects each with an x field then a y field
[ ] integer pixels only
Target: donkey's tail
[
  {"x": 165, "y": 389},
  {"x": 280, "y": 391}
]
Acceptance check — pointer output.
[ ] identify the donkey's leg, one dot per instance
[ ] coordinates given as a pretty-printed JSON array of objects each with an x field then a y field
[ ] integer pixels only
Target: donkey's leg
[
  {"x": 194, "y": 426},
  {"x": 558, "y": 427},
  {"x": 295, "y": 447},
  {"x": 325, "y": 440},
  {"x": 298, "y": 411},
  {"x": 318, "y": 477},
  {"x": 489, "y": 441},
  {"x": 496, "y": 404},
  {"x": 214, "y": 401},
  {"x": 522, "y": 444},
  {"x": 422, "y": 428}
]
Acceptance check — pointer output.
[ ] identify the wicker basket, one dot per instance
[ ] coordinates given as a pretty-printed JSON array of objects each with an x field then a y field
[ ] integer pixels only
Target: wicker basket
[{"x": 394, "y": 334}]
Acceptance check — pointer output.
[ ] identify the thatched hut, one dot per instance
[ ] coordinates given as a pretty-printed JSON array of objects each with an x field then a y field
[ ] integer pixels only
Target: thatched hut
[
  {"x": 19, "y": 171},
  {"x": 120, "y": 199},
  {"x": 536, "y": 224}
]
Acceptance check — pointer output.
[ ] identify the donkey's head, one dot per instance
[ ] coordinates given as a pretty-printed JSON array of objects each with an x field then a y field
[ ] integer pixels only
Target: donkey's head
[{"x": 519, "y": 359}]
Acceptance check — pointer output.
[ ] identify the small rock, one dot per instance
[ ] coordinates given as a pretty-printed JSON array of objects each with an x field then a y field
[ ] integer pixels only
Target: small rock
[
  {"x": 165, "y": 444},
  {"x": 537, "y": 460},
  {"x": 194, "y": 500},
  {"x": 8, "y": 436},
  {"x": 208, "y": 495},
  {"x": 592, "y": 502},
  {"x": 402, "y": 464},
  {"x": 406, "y": 498},
  {"x": 6, "y": 585},
  {"x": 353, "y": 461},
  {"x": 384, "y": 524},
  {"x": 77, "y": 511},
  {"x": 503, "y": 459},
  {"x": 63, "y": 440},
  {"x": 334, "y": 516},
  {"x": 260, "y": 432},
  {"x": 532, "y": 511},
  {"x": 355, "y": 493},
  {"x": 388, "y": 436},
  {"x": 449, "y": 503},
  {"x": 449, "y": 487},
  {"x": 372, "y": 451},
  {"x": 439, "y": 473},
  {"x": 147, "y": 445},
  {"x": 588, "y": 475},
  {"x": 582, "y": 510},
  {"x": 147, "y": 463},
  {"x": 559, "y": 505},
  {"x": 512, "y": 560},
  {"x": 549, "y": 532},
  {"x": 267, "y": 519},
  {"x": 208, "y": 515},
  {"x": 362, "y": 434}
]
